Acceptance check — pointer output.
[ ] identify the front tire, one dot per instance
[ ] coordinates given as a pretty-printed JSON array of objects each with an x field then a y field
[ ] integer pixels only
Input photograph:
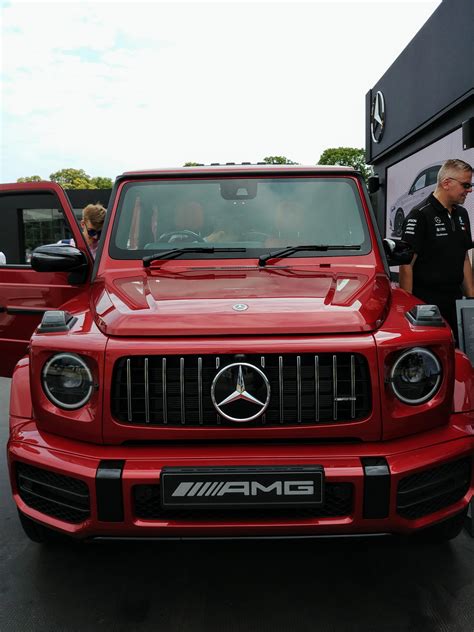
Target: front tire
[
  {"x": 398, "y": 223},
  {"x": 37, "y": 532},
  {"x": 446, "y": 530}
]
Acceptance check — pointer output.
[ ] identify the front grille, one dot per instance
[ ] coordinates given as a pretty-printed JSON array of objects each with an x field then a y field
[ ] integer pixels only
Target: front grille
[
  {"x": 304, "y": 389},
  {"x": 62, "y": 497},
  {"x": 338, "y": 501},
  {"x": 431, "y": 490}
]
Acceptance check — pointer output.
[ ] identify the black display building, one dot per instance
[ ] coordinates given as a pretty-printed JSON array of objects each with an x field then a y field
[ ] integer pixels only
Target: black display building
[{"x": 421, "y": 112}]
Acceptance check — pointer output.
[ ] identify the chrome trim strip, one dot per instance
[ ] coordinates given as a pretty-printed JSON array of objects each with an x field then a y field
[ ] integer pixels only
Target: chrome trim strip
[
  {"x": 262, "y": 362},
  {"x": 316, "y": 386},
  {"x": 298, "y": 387},
  {"x": 218, "y": 364},
  {"x": 353, "y": 387},
  {"x": 181, "y": 388},
  {"x": 200, "y": 390},
  {"x": 334, "y": 387},
  {"x": 129, "y": 390},
  {"x": 165, "y": 398},
  {"x": 280, "y": 385},
  {"x": 147, "y": 393}
]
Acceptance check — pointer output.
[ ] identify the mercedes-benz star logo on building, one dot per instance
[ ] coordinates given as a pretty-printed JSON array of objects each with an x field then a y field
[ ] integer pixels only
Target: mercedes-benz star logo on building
[
  {"x": 240, "y": 392},
  {"x": 377, "y": 117}
]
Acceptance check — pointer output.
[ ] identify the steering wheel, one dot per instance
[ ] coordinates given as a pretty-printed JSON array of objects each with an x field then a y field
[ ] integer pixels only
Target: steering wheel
[{"x": 180, "y": 235}]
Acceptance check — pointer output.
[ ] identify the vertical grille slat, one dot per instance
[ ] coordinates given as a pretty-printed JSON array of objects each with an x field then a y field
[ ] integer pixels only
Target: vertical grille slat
[
  {"x": 280, "y": 386},
  {"x": 147, "y": 393},
  {"x": 305, "y": 389},
  {"x": 181, "y": 390},
  {"x": 316, "y": 387},
  {"x": 298, "y": 387},
  {"x": 129, "y": 391},
  {"x": 262, "y": 364},
  {"x": 163, "y": 388},
  {"x": 353, "y": 387},
  {"x": 200, "y": 390}
]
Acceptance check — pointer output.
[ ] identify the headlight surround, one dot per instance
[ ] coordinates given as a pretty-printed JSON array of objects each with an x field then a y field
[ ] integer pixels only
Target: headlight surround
[
  {"x": 67, "y": 381},
  {"x": 416, "y": 376}
]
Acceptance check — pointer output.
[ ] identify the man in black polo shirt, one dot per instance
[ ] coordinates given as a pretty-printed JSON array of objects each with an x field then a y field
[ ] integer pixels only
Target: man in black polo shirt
[{"x": 439, "y": 231}]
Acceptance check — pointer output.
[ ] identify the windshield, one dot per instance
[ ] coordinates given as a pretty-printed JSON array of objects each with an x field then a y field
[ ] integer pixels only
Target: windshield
[{"x": 254, "y": 215}]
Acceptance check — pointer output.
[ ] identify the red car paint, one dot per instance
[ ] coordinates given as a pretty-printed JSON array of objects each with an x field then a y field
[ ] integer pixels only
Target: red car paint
[{"x": 181, "y": 308}]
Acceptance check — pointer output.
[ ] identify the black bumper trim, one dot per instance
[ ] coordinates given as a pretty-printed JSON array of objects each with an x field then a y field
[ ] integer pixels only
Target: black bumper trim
[
  {"x": 109, "y": 493},
  {"x": 376, "y": 488}
]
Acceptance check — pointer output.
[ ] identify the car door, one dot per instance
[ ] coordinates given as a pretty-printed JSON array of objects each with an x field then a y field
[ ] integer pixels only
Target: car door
[{"x": 31, "y": 214}]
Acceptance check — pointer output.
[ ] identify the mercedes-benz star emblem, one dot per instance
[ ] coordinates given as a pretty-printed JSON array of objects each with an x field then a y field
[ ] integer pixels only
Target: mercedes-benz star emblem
[
  {"x": 240, "y": 392},
  {"x": 377, "y": 117},
  {"x": 240, "y": 307}
]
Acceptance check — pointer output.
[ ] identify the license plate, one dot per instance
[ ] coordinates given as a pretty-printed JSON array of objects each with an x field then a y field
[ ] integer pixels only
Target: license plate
[{"x": 286, "y": 486}]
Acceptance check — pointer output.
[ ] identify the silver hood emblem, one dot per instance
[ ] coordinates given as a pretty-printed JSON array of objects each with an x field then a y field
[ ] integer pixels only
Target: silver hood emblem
[{"x": 240, "y": 392}]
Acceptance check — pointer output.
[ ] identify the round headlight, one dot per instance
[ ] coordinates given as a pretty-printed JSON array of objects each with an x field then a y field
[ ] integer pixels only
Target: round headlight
[
  {"x": 416, "y": 376},
  {"x": 67, "y": 380}
]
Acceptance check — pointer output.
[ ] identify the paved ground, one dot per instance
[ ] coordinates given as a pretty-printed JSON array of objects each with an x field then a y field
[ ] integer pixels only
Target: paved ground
[{"x": 361, "y": 585}]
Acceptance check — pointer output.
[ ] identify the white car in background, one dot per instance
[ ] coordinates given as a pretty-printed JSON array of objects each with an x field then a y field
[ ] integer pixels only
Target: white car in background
[{"x": 423, "y": 184}]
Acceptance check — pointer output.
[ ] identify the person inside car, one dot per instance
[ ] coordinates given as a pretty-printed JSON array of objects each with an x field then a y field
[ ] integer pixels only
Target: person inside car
[{"x": 289, "y": 225}]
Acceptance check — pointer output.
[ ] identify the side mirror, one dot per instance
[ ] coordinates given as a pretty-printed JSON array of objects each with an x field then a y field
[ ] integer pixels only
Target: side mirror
[
  {"x": 61, "y": 258},
  {"x": 373, "y": 184},
  {"x": 398, "y": 252}
]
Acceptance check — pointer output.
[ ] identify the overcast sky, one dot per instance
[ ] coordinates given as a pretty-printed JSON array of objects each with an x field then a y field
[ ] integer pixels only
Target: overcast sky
[{"x": 114, "y": 86}]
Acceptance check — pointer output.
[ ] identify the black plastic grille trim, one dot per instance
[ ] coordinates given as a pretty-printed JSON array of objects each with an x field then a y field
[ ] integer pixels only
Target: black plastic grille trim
[
  {"x": 305, "y": 389},
  {"x": 62, "y": 497},
  {"x": 429, "y": 491},
  {"x": 338, "y": 501}
]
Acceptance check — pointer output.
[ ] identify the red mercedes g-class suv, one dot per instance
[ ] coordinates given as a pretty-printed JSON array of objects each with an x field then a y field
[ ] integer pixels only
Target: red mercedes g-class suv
[{"x": 235, "y": 362}]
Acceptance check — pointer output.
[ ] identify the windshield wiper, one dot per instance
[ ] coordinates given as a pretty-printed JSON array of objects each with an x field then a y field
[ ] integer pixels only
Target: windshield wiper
[
  {"x": 177, "y": 252},
  {"x": 289, "y": 250}
]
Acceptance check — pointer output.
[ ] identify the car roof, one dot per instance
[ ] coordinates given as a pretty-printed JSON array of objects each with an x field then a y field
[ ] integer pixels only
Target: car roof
[
  {"x": 247, "y": 168},
  {"x": 434, "y": 164}
]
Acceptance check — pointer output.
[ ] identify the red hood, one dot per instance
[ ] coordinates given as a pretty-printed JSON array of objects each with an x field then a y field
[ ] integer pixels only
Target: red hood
[{"x": 188, "y": 301}]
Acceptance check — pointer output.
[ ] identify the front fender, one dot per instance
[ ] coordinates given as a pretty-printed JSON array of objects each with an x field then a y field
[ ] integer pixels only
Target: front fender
[
  {"x": 20, "y": 392},
  {"x": 463, "y": 399}
]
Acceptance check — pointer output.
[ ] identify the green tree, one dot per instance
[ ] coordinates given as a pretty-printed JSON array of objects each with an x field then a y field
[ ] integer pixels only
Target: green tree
[
  {"x": 101, "y": 183},
  {"x": 30, "y": 179},
  {"x": 278, "y": 160},
  {"x": 72, "y": 179},
  {"x": 193, "y": 164},
  {"x": 347, "y": 156}
]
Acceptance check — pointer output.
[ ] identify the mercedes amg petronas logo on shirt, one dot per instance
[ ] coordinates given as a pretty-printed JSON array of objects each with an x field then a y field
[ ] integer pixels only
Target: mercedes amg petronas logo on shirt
[{"x": 240, "y": 392}]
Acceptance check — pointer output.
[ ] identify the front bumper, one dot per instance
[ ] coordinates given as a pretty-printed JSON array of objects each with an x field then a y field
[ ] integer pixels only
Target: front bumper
[{"x": 88, "y": 490}]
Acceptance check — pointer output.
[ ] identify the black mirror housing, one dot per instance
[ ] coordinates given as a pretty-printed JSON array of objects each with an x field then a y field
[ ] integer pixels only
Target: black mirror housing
[
  {"x": 373, "y": 184},
  {"x": 398, "y": 252},
  {"x": 61, "y": 258}
]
